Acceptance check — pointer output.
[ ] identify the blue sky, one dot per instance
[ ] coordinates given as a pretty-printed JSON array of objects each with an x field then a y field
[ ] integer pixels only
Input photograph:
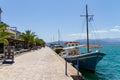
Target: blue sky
[{"x": 45, "y": 17}]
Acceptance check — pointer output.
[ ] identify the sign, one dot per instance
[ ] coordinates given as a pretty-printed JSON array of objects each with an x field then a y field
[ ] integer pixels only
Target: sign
[{"x": 8, "y": 54}]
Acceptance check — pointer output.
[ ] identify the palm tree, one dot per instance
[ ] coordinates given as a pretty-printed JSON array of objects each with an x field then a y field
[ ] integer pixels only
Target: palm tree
[
  {"x": 4, "y": 35},
  {"x": 28, "y": 37},
  {"x": 39, "y": 42}
]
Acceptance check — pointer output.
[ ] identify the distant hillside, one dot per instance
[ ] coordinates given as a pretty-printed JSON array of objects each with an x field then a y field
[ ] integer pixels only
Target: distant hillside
[
  {"x": 106, "y": 41},
  {"x": 56, "y": 42}
]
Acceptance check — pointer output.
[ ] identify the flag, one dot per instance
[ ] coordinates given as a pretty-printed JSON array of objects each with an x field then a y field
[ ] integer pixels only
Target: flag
[{"x": 90, "y": 19}]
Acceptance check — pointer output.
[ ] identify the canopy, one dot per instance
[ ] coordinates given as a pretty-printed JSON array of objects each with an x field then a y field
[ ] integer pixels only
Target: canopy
[
  {"x": 82, "y": 46},
  {"x": 72, "y": 47}
]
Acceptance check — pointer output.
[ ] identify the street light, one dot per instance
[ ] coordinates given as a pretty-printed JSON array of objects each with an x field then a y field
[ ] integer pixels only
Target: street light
[
  {"x": 15, "y": 31},
  {"x": 0, "y": 14}
]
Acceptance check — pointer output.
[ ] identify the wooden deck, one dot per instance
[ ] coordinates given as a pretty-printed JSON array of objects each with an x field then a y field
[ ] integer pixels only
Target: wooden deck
[{"x": 43, "y": 64}]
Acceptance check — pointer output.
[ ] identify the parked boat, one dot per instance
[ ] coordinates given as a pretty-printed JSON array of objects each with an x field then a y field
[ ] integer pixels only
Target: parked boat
[
  {"x": 58, "y": 48},
  {"x": 86, "y": 60}
]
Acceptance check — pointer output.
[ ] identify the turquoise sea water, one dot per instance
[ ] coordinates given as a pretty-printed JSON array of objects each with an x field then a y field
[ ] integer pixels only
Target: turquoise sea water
[{"x": 109, "y": 67}]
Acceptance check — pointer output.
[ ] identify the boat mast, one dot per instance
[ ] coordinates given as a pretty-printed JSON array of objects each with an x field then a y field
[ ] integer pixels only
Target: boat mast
[
  {"x": 87, "y": 28},
  {"x": 87, "y": 16},
  {"x": 58, "y": 37}
]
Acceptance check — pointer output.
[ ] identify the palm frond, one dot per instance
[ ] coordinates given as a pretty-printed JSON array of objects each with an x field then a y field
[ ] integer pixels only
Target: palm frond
[
  {"x": 5, "y": 41},
  {"x": 6, "y": 34}
]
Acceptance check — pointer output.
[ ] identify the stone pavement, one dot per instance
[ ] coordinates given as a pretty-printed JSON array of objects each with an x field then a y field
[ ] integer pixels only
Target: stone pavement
[{"x": 35, "y": 65}]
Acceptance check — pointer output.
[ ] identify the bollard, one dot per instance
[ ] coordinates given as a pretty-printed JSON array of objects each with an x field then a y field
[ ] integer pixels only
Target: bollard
[
  {"x": 78, "y": 67},
  {"x": 65, "y": 66}
]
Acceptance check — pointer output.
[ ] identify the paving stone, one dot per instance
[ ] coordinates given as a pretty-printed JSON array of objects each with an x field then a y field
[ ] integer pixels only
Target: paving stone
[{"x": 35, "y": 65}]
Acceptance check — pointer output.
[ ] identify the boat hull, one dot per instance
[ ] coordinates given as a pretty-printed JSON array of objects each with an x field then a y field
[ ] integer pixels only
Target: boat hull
[
  {"x": 58, "y": 50},
  {"x": 87, "y": 61}
]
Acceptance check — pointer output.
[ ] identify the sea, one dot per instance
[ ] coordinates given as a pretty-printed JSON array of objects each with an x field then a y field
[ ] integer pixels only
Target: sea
[{"x": 109, "y": 67}]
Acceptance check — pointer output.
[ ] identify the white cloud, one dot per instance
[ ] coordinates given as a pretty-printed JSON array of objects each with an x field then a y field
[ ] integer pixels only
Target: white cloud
[
  {"x": 96, "y": 33},
  {"x": 79, "y": 35},
  {"x": 75, "y": 35},
  {"x": 100, "y": 31},
  {"x": 117, "y": 27},
  {"x": 115, "y": 30}
]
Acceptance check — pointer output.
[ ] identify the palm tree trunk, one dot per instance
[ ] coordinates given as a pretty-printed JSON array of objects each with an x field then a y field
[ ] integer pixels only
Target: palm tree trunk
[{"x": 27, "y": 45}]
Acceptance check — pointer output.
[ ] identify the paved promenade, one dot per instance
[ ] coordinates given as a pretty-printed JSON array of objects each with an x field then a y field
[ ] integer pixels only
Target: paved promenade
[{"x": 35, "y": 65}]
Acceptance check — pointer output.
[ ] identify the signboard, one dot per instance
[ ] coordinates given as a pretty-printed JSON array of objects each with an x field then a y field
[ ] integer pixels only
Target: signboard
[{"x": 8, "y": 54}]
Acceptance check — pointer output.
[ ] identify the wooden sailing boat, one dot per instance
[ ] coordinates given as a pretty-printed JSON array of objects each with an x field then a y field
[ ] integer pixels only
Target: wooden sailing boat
[{"x": 87, "y": 60}]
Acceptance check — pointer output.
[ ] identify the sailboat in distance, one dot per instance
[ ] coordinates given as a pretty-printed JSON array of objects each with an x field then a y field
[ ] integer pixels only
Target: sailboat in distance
[
  {"x": 58, "y": 47},
  {"x": 88, "y": 60}
]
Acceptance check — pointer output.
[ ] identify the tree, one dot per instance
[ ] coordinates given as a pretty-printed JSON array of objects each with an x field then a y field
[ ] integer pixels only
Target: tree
[
  {"x": 40, "y": 42},
  {"x": 3, "y": 34},
  {"x": 28, "y": 37}
]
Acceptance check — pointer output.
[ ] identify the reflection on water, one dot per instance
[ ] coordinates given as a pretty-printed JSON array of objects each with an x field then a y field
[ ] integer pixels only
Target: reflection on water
[
  {"x": 92, "y": 75},
  {"x": 109, "y": 67}
]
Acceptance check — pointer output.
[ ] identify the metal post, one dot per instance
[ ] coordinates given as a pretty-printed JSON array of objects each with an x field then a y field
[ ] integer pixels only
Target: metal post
[
  {"x": 65, "y": 66},
  {"x": 15, "y": 31},
  {"x": 78, "y": 67},
  {"x": 0, "y": 14},
  {"x": 0, "y": 18}
]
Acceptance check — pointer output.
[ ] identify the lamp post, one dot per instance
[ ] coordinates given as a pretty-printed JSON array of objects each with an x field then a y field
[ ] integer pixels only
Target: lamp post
[
  {"x": 0, "y": 14},
  {"x": 15, "y": 31}
]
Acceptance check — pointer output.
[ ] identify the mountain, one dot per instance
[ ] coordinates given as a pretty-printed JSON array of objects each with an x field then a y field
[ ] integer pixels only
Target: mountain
[
  {"x": 105, "y": 41},
  {"x": 56, "y": 42}
]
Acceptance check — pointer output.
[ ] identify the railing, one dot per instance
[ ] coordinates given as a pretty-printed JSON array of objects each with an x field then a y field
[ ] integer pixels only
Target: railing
[{"x": 67, "y": 59}]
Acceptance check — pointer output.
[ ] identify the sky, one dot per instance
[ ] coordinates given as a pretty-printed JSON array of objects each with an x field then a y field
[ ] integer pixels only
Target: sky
[{"x": 46, "y": 17}]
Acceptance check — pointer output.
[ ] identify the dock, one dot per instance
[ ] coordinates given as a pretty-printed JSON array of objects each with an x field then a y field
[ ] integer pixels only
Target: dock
[{"x": 43, "y": 64}]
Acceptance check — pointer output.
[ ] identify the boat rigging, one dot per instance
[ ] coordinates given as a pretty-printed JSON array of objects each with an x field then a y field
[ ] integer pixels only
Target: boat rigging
[
  {"x": 87, "y": 27},
  {"x": 86, "y": 60}
]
